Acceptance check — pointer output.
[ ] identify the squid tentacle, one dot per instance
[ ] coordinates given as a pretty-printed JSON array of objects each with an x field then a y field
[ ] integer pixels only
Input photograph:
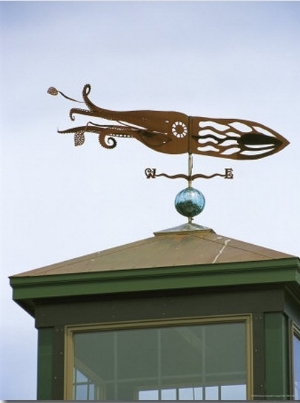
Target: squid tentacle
[
  {"x": 80, "y": 112},
  {"x": 94, "y": 109},
  {"x": 107, "y": 136}
]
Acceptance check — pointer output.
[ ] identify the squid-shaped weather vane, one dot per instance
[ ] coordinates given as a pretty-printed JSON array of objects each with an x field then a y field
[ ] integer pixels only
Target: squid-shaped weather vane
[{"x": 177, "y": 133}]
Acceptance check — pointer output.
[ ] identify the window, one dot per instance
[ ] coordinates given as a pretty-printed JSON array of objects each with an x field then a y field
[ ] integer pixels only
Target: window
[
  {"x": 296, "y": 362},
  {"x": 178, "y": 360},
  {"x": 225, "y": 392},
  {"x": 84, "y": 388}
]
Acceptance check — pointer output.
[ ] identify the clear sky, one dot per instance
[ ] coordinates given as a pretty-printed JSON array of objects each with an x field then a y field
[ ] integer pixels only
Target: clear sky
[{"x": 215, "y": 59}]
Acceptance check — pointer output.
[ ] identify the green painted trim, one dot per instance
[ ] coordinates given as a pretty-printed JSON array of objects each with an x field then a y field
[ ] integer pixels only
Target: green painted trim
[
  {"x": 45, "y": 363},
  {"x": 277, "y": 386},
  {"x": 166, "y": 278}
]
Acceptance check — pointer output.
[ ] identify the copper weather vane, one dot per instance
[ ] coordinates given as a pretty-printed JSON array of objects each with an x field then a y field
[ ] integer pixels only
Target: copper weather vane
[{"x": 177, "y": 133}]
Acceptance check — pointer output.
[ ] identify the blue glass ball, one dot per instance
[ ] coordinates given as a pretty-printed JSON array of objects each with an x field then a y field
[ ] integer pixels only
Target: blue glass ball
[{"x": 189, "y": 202}]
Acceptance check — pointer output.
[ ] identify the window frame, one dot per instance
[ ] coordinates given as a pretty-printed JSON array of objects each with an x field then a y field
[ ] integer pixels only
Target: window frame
[
  {"x": 70, "y": 330},
  {"x": 295, "y": 332}
]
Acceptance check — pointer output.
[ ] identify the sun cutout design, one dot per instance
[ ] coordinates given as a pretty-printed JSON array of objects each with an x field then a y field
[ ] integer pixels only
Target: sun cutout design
[{"x": 179, "y": 129}]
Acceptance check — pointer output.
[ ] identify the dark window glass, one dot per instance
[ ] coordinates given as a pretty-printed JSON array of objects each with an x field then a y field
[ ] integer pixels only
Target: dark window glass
[{"x": 197, "y": 362}]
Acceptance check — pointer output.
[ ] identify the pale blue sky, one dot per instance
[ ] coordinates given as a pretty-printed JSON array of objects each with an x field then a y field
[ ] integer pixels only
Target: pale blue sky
[{"x": 215, "y": 59}]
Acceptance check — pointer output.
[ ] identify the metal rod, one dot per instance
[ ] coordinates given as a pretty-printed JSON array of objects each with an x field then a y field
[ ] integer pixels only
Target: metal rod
[
  {"x": 190, "y": 170},
  {"x": 190, "y": 180}
]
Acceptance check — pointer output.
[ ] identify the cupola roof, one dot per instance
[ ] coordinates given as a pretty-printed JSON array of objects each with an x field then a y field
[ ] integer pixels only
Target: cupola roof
[{"x": 185, "y": 245}]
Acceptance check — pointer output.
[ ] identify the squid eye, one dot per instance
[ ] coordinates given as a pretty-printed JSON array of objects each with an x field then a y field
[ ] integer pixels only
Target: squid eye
[{"x": 179, "y": 129}]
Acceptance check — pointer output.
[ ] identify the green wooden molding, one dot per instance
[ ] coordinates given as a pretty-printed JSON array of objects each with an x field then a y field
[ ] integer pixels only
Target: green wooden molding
[
  {"x": 277, "y": 357},
  {"x": 45, "y": 364},
  {"x": 25, "y": 289}
]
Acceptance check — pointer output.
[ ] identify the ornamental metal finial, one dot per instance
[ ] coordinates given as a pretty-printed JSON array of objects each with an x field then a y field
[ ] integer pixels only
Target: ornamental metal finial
[{"x": 177, "y": 133}]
